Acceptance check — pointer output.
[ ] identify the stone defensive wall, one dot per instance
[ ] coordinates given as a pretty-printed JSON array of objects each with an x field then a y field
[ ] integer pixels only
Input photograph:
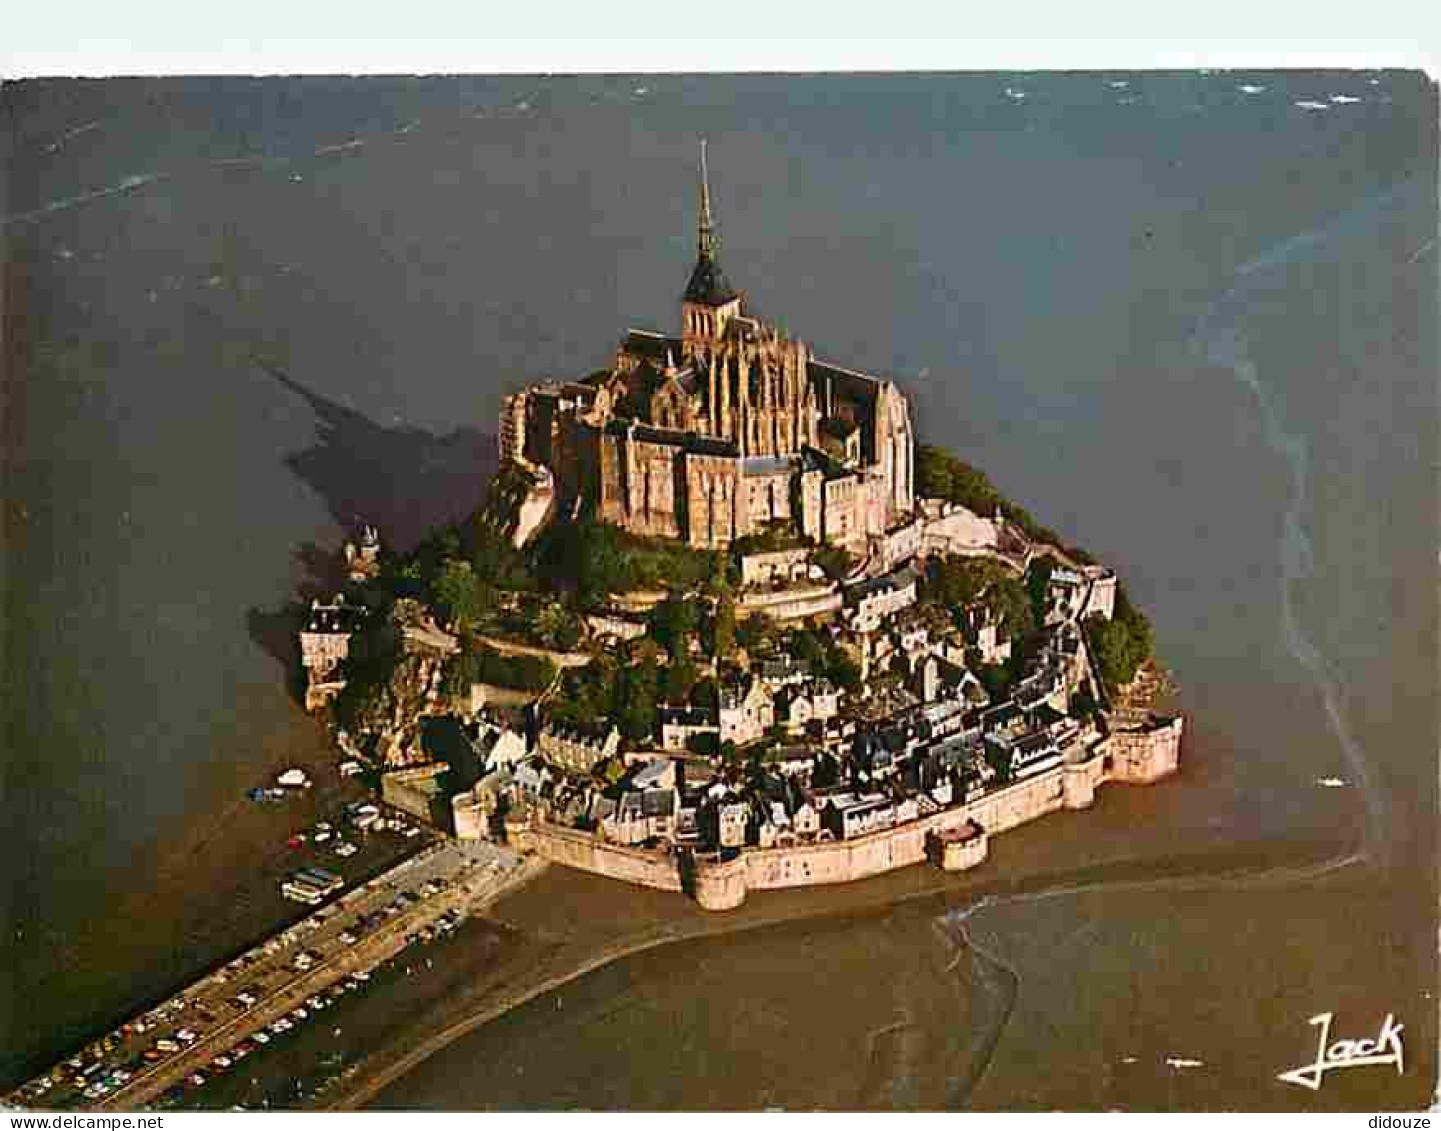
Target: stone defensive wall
[
  {"x": 491, "y": 695},
  {"x": 791, "y": 604},
  {"x": 1135, "y": 757},
  {"x": 581, "y": 850},
  {"x": 639, "y": 600},
  {"x": 515, "y": 648},
  {"x": 411, "y": 790}
]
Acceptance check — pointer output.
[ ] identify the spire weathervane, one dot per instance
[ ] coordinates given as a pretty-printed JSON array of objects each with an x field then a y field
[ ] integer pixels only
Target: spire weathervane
[{"x": 706, "y": 243}]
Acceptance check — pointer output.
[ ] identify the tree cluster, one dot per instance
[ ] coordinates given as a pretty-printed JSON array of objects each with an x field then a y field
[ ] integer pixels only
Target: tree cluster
[
  {"x": 1120, "y": 645},
  {"x": 476, "y": 663},
  {"x": 823, "y": 656},
  {"x": 595, "y": 559},
  {"x": 957, "y": 583},
  {"x": 374, "y": 653}
]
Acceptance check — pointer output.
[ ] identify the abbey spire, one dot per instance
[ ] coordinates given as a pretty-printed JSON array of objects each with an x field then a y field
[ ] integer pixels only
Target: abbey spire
[
  {"x": 706, "y": 238},
  {"x": 708, "y": 286}
]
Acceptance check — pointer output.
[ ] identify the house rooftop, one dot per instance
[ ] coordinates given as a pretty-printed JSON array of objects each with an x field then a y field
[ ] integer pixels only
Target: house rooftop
[{"x": 651, "y": 773}]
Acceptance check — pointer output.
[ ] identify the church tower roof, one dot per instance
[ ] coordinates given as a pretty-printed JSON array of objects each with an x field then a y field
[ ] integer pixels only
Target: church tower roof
[{"x": 708, "y": 284}]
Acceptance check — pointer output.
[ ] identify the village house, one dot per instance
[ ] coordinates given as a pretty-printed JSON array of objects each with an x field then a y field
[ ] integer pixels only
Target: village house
[
  {"x": 847, "y": 816},
  {"x": 531, "y": 779},
  {"x": 806, "y": 821},
  {"x": 680, "y": 727},
  {"x": 1066, "y": 595},
  {"x": 1035, "y": 753},
  {"x": 687, "y": 818},
  {"x": 911, "y": 631},
  {"x": 324, "y": 647},
  {"x": 496, "y": 746},
  {"x": 782, "y": 671},
  {"x": 994, "y": 647},
  {"x": 659, "y": 807},
  {"x": 745, "y": 716},
  {"x": 575, "y": 752},
  {"x": 1043, "y": 686},
  {"x": 789, "y": 760},
  {"x": 869, "y": 603},
  {"x": 814, "y": 701},
  {"x": 775, "y": 825},
  {"x": 926, "y": 678},
  {"x": 733, "y": 817},
  {"x": 640, "y": 815},
  {"x": 1003, "y": 718},
  {"x": 876, "y": 752},
  {"x": 628, "y": 824},
  {"x": 658, "y": 773},
  {"x": 775, "y": 568}
]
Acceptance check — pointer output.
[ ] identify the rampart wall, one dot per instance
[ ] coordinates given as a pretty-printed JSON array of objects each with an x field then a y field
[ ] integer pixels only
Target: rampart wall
[
  {"x": 484, "y": 695},
  {"x": 722, "y": 885},
  {"x": 581, "y": 850},
  {"x": 515, "y": 648}
]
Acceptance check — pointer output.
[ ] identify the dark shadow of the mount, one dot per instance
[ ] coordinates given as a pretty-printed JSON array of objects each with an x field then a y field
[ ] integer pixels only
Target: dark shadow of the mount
[{"x": 405, "y": 481}]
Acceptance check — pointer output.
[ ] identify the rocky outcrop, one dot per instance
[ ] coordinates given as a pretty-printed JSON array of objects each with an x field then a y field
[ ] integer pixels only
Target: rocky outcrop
[{"x": 387, "y": 721}]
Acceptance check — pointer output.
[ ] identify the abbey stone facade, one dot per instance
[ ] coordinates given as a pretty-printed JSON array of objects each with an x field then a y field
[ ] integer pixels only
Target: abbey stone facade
[{"x": 712, "y": 435}]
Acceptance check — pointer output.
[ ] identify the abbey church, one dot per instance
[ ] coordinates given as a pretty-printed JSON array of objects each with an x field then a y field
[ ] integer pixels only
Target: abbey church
[{"x": 722, "y": 431}]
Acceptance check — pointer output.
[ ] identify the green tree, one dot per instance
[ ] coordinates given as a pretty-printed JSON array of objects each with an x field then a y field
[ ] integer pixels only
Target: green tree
[
  {"x": 842, "y": 670},
  {"x": 755, "y": 630},
  {"x": 462, "y": 670},
  {"x": 680, "y": 677},
  {"x": 1038, "y": 585},
  {"x": 459, "y": 593},
  {"x": 836, "y": 562},
  {"x": 1010, "y": 603},
  {"x": 1114, "y": 650},
  {"x": 808, "y": 647},
  {"x": 637, "y": 715},
  {"x": 955, "y": 581},
  {"x": 724, "y": 629},
  {"x": 674, "y": 621},
  {"x": 375, "y": 652}
]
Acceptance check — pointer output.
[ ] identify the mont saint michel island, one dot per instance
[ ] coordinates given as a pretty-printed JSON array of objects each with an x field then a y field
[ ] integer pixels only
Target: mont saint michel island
[
  {"x": 720, "y": 624},
  {"x": 723, "y": 625}
]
